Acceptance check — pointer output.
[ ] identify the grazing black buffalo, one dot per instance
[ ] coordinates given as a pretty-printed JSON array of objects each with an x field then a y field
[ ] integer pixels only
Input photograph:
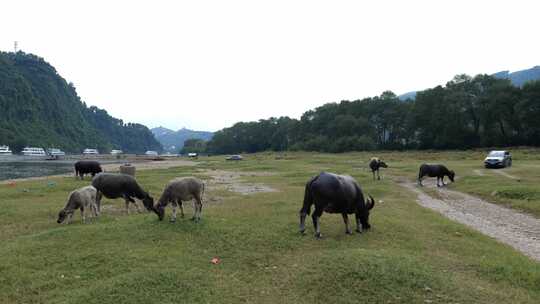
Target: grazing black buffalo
[
  {"x": 375, "y": 164},
  {"x": 113, "y": 186},
  {"x": 438, "y": 171},
  {"x": 334, "y": 193},
  {"x": 83, "y": 167}
]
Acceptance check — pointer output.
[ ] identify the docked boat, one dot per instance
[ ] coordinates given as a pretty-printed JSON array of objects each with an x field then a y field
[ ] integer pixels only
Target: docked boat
[
  {"x": 116, "y": 152},
  {"x": 34, "y": 151},
  {"x": 4, "y": 150},
  {"x": 90, "y": 152}
]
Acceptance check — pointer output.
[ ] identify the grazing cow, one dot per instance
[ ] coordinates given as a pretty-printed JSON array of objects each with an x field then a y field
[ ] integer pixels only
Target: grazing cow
[
  {"x": 178, "y": 190},
  {"x": 439, "y": 171},
  {"x": 82, "y": 198},
  {"x": 112, "y": 185},
  {"x": 375, "y": 164},
  {"x": 334, "y": 193},
  {"x": 83, "y": 167}
]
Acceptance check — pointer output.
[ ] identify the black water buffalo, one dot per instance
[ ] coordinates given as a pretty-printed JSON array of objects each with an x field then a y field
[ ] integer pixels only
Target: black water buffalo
[
  {"x": 375, "y": 164},
  {"x": 439, "y": 171},
  {"x": 112, "y": 185},
  {"x": 334, "y": 193},
  {"x": 83, "y": 167}
]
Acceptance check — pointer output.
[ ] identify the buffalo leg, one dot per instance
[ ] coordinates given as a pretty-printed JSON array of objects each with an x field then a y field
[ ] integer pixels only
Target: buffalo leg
[
  {"x": 198, "y": 202},
  {"x": 194, "y": 210},
  {"x": 127, "y": 206},
  {"x": 373, "y": 174},
  {"x": 316, "y": 217},
  {"x": 69, "y": 217},
  {"x": 99, "y": 195},
  {"x": 83, "y": 216},
  {"x": 303, "y": 222},
  {"x": 179, "y": 202},
  {"x": 442, "y": 180},
  {"x": 358, "y": 223},
  {"x": 173, "y": 217},
  {"x": 93, "y": 207},
  {"x": 346, "y": 221},
  {"x": 378, "y": 175},
  {"x": 136, "y": 207},
  {"x": 420, "y": 181}
]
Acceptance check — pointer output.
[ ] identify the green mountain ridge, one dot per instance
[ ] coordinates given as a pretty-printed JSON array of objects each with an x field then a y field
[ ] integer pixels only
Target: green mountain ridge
[{"x": 40, "y": 108}]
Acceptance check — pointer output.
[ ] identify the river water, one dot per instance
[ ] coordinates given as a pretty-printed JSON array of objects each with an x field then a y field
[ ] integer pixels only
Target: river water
[{"x": 23, "y": 169}]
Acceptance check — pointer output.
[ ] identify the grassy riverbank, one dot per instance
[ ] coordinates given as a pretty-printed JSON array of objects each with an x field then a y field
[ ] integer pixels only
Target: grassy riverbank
[{"x": 412, "y": 255}]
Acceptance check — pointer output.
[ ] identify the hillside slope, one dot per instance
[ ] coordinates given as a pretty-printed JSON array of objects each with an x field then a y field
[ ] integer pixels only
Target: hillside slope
[{"x": 39, "y": 108}]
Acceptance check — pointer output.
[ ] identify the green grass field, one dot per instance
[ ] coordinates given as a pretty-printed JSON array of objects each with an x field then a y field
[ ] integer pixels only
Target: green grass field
[{"x": 412, "y": 255}]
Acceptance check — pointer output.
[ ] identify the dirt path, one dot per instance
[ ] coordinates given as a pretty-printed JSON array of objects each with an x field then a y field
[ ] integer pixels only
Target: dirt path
[
  {"x": 513, "y": 228},
  {"x": 478, "y": 172},
  {"x": 232, "y": 181}
]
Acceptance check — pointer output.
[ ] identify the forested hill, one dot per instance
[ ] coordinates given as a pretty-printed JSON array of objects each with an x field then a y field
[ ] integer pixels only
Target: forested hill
[
  {"x": 39, "y": 108},
  {"x": 173, "y": 141},
  {"x": 467, "y": 112},
  {"x": 518, "y": 78}
]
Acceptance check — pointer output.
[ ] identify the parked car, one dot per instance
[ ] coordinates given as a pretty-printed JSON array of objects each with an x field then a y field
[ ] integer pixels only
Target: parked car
[
  {"x": 498, "y": 159},
  {"x": 151, "y": 153},
  {"x": 234, "y": 157}
]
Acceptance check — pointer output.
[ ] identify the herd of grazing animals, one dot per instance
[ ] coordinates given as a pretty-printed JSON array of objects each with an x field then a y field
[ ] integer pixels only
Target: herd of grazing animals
[{"x": 327, "y": 192}]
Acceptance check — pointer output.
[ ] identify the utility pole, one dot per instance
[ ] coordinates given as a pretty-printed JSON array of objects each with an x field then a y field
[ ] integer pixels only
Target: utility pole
[{"x": 15, "y": 44}]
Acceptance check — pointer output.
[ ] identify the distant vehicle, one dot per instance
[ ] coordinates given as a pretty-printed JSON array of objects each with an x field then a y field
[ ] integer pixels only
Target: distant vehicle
[
  {"x": 4, "y": 150},
  {"x": 33, "y": 151},
  {"x": 235, "y": 157},
  {"x": 151, "y": 153},
  {"x": 116, "y": 152},
  {"x": 193, "y": 155},
  {"x": 55, "y": 152},
  {"x": 498, "y": 159},
  {"x": 90, "y": 152},
  {"x": 169, "y": 154}
]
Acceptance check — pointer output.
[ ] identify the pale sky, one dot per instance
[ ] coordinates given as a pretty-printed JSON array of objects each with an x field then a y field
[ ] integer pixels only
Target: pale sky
[{"x": 205, "y": 65}]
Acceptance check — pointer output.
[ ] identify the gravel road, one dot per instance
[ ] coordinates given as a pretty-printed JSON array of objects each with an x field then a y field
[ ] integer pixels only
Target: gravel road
[{"x": 519, "y": 230}]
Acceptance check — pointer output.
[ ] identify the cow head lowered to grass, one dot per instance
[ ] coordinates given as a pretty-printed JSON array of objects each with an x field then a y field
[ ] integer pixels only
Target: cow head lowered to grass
[{"x": 334, "y": 193}]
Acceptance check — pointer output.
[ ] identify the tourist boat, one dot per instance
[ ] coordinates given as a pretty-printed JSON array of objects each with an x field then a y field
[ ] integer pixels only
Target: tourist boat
[
  {"x": 4, "y": 150},
  {"x": 90, "y": 152},
  {"x": 116, "y": 152},
  {"x": 33, "y": 151}
]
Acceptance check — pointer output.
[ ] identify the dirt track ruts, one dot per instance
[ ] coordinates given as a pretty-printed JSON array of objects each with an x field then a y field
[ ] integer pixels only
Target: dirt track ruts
[{"x": 519, "y": 230}]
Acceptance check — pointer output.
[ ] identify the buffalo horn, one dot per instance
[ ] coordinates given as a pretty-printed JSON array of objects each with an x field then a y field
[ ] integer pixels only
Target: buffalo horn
[{"x": 370, "y": 206}]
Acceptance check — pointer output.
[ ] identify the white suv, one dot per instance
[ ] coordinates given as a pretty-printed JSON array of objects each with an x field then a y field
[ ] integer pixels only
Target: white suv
[{"x": 498, "y": 159}]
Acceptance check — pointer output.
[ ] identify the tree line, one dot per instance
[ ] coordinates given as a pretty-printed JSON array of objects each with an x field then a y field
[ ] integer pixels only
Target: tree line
[{"x": 465, "y": 113}]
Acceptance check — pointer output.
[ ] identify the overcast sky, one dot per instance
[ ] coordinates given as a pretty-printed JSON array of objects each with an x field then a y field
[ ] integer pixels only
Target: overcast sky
[{"x": 207, "y": 64}]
